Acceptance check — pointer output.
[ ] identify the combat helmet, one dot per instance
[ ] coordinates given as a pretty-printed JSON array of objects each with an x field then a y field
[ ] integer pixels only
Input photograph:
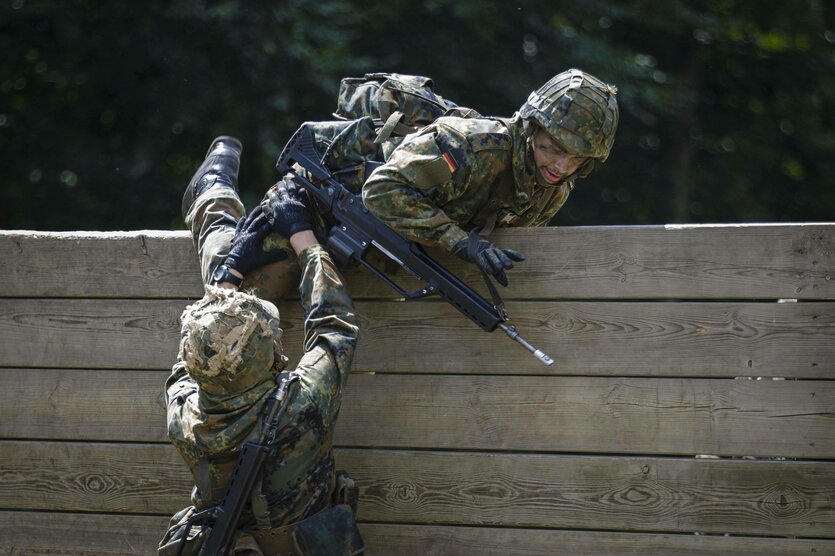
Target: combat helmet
[
  {"x": 230, "y": 341},
  {"x": 578, "y": 110}
]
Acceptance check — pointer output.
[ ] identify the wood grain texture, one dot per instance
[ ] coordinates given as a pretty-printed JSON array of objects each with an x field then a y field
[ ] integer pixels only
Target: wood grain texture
[
  {"x": 682, "y": 339},
  {"x": 461, "y": 443},
  {"x": 460, "y": 488},
  {"x": 146, "y": 263},
  {"x": 72, "y": 534},
  {"x": 93, "y": 477},
  {"x": 101, "y": 405},
  {"x": 590, "y": 414},
  {"x": 628, "y": 494},
  {"x": 90, "y": 333},
  {"x": 660, "y": 262},
  {"x": 429, "y": 540},
  {"x": 58, "y": 534},
  {"x": 546, "y": 414},
  {"x": 795, "y": 340},
  {"x": 620, "y": 262}
]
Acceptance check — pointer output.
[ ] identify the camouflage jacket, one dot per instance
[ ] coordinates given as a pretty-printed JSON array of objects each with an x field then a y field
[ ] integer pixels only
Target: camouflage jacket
[
  {"x": 457, "y": 174},
  {"x": 209, "y": 428}
]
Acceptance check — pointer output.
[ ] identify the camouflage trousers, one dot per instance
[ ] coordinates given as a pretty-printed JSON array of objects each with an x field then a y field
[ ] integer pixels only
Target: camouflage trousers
[{"x": 212, "y": 219}]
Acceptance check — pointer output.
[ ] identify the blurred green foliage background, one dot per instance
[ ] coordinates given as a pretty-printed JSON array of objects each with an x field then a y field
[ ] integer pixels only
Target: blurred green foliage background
[{"x": 106, "y": 108}]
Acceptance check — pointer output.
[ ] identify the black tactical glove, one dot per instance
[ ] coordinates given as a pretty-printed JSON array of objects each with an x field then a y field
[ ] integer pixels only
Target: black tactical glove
[
  {"x": 487, "y": 256},
  {"x": 290, "y": 209},
  {"x": 246, "y": 253}
]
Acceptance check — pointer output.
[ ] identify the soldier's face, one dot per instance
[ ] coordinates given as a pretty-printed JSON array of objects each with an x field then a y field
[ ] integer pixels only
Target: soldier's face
[{"x": 552, "y": 162}]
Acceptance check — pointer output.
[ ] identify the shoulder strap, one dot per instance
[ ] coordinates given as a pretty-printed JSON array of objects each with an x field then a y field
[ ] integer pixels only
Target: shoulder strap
[{"x": 394, "y": 126}]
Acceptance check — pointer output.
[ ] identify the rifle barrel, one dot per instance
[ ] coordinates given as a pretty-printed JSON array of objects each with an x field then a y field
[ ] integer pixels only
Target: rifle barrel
[{"x": 538, "y": 353}]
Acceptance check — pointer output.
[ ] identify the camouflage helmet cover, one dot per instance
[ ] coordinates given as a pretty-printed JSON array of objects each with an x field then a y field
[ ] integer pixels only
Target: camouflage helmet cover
[
  {"x": 578, "y": 110},
  {"x": 230, "y": 341}
]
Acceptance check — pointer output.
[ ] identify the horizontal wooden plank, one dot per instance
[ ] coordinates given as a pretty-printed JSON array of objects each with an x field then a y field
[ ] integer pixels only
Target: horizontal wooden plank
[
  {"x": 60, "y": 534},
  {"x": 795, "y": 340},
  {"x": 89, "y": 333},
  {"x": 69, "y": 534},
  {"x": 459, "y": 488},
  {"x": 605, "y": 338},
  {"x": 420, "y": 540},
  {"x": 54, "y": 404},
  {"x": 548, "y": 414},
  {"x": 146, "y": 263},
  {"x": 630, "y": 494},
  {"x": 95, "y": 477},
  {"x": 648, "y": 262},
  {"x": 592, "y": 414}
]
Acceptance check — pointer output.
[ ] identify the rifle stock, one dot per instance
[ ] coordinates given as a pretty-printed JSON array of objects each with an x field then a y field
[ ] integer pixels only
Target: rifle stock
[{"x": 356, "y": 231}]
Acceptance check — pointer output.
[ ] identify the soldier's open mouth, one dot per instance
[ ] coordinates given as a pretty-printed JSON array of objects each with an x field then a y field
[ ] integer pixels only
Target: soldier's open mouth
[{"x": 549, "y": 176}]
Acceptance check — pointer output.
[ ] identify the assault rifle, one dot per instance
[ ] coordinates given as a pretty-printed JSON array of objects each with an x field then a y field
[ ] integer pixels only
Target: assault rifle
[{"x": 355, "y": 231}]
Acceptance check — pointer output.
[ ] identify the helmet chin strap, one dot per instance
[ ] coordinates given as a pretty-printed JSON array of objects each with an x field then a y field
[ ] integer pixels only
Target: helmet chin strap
[
  {"x": 583, "y": 171},
  {"x": 586, "y": 168}
]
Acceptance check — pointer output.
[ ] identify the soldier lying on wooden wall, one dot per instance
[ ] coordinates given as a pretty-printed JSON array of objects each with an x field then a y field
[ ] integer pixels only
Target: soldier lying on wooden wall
[{"x": 458, "y": 173}]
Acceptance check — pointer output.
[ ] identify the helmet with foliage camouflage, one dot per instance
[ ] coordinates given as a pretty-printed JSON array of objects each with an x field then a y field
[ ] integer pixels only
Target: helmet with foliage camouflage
[
  {"x": 230, "y": 341},
  {"x": 578, "y": 110}
]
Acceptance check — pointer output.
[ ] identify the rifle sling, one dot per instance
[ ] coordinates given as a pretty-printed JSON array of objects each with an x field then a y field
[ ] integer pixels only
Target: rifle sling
[{"x": 472, "y": 245}]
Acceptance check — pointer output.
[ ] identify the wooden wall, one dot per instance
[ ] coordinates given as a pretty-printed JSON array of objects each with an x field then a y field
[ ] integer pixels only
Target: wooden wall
[{"x": 689, "y": 411}]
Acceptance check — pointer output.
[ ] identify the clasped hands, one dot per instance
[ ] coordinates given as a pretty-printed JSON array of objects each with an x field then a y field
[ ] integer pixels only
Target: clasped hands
[{"x": 289, "y": 214}]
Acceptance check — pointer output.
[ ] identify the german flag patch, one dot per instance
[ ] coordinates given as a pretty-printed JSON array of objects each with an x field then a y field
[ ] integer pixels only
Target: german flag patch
[{"x": 450, "y": 161}]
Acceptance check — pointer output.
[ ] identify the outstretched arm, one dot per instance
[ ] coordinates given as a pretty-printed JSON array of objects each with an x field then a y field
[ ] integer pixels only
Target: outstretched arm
[{"x": 330, "y": 325}]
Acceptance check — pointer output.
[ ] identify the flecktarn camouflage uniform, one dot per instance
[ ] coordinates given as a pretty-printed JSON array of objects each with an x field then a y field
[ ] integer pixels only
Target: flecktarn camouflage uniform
[
  {"x": 212, "y": 219},
  {"x": 461, "y": 173},
  {"x": 453, "y": 175},
  {"x": 229, "y": 357},
  {"x": 456, "y": 174}
]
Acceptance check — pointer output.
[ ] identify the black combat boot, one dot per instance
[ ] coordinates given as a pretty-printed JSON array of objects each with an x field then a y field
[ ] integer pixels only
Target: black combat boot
[{"x": 220, "y": 168}]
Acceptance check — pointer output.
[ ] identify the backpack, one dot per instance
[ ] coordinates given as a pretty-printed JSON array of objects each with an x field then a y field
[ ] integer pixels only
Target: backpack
[
  {"x": 399, "y": 104},
  {"x": 374, "y": 113}
]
